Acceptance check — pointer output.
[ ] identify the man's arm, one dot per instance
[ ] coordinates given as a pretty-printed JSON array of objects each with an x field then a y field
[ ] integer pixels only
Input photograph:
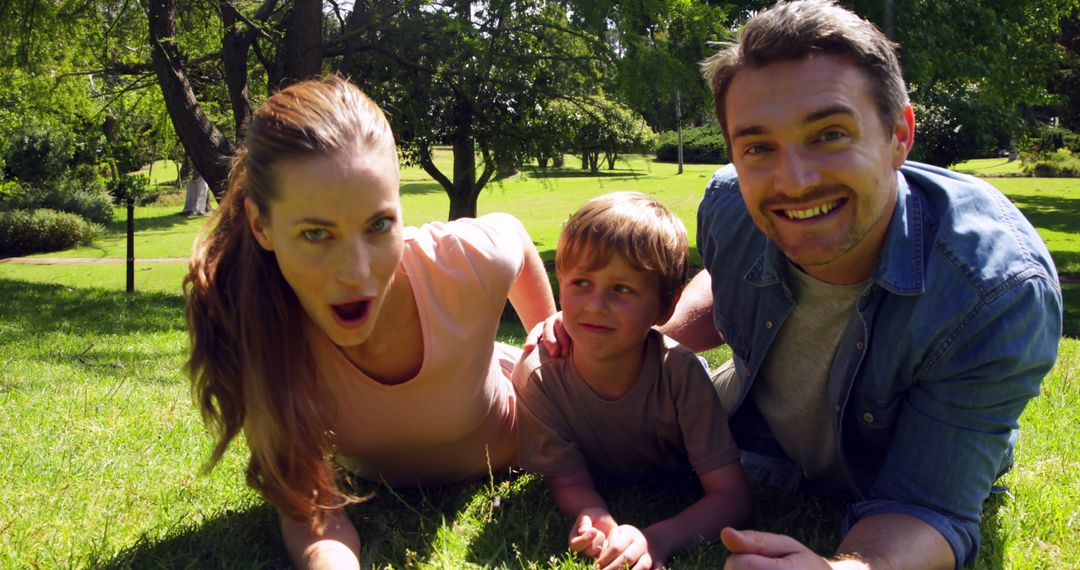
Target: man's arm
[
  {"x": 691, "y": 324},
  {"x": 338, "y": 548},
  {"x": 882, "y": 542}
]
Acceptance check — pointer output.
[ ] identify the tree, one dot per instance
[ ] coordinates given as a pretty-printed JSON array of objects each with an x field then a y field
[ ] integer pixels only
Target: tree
[{"x": 467, "y": 74}]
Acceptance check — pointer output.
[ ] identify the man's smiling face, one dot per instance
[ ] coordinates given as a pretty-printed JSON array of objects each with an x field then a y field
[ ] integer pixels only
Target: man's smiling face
[{"x": 816, "y": 166}]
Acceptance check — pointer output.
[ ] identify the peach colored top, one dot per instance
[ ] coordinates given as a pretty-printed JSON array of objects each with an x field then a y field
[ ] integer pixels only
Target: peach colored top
[{"x": 457, "y": 416}]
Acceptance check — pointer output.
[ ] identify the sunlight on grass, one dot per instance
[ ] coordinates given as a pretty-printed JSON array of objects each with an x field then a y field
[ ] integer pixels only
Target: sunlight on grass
[
  {"x": 103, "y": 448},
  {"x": 990, "y": 167}
]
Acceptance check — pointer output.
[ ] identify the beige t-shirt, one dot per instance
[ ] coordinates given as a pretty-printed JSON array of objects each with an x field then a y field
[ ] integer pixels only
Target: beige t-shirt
[
  {"x": 792, "y": 391},
  {"x": 669, "y": 422},
  {"x": 457, "y": 416}
]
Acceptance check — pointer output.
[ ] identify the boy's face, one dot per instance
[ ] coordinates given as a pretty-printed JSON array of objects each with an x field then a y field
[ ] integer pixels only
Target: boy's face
[{"x": 608, "y": 311}]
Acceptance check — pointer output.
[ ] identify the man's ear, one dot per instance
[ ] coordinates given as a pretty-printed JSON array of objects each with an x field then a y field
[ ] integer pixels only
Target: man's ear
[
  {"x": 671, "y": 309},
  {"x": 258, "y": 224},
  {"x": 903, "y": 135}
]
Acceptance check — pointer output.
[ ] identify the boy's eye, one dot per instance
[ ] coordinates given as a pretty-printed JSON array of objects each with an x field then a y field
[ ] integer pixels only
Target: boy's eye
[
  {"x": 580, "y": 282},
  {"x": 315, "y": 234},
  {"x": 382, "y": 225},
  {"x": 620, "y": 288}
]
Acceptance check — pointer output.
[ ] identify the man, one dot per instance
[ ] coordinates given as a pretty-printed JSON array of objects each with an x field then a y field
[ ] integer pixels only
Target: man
[{"x": 888, "y": 320}]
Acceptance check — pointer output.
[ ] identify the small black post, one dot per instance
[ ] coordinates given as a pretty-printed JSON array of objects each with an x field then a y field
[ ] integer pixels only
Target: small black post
[{"x": 131, "y": 244}]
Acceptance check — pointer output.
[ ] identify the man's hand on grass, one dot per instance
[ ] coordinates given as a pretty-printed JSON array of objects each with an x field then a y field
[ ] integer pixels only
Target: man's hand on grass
[{"x": 754, "y": 550}]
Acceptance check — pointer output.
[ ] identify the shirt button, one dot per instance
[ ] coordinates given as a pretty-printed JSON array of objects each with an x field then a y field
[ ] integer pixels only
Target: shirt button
[
  {"x": 859, "y": 345},
  {"x": 837, "y": 408},
  {"x": 768, "y": 324},
  {"x": 868, "y": 418}
]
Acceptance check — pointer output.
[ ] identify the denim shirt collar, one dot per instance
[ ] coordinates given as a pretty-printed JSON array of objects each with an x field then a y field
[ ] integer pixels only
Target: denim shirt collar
[{"x": 901, "y": 267}]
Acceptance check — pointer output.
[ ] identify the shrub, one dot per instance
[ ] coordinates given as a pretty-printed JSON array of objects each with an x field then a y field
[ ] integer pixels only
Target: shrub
[
  {"x": 701, "y": 145},
  {"x": 1057, "y": 164},
  {"x": 78, "y": 191},
  {"x": 24, "y": 232}
]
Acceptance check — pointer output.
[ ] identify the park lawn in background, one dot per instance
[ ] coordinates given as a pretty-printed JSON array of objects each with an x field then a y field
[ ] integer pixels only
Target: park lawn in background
[
  {"x": 103, "y": 450},
  {"x": 989, "y": 167}
]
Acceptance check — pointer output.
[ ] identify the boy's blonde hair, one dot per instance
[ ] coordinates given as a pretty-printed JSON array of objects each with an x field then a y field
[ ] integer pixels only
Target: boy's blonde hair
[{"x": 634, "y": 225}]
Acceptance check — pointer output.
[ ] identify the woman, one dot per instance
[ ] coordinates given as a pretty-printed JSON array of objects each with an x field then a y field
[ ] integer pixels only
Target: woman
[{"x": 328, "y": 332}]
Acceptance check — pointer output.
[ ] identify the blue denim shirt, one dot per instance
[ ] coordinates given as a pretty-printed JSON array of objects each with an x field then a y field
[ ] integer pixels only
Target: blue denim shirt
[{"x": 950, "y": 339}]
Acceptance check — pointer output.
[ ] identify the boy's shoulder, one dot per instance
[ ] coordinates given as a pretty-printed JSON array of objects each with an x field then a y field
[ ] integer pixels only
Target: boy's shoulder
[
  {"x": 678, "y": 358},
  {"x": 537, "y": 366}
]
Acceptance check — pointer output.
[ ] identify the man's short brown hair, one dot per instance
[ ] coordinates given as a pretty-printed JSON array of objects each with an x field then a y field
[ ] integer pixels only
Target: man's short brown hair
[
  {"x": 634, "y": 225},
  {"x": 796, "y": 30}
]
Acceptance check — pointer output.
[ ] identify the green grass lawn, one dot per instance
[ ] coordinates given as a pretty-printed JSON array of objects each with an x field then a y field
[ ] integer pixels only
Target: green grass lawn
[{"x": 102, "y": 448}]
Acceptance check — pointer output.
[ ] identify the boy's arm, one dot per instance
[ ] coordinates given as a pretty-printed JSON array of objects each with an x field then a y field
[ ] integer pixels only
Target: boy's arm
[
  {"x": 577, "y": 497},
  {"x": 726, "y": 503}
]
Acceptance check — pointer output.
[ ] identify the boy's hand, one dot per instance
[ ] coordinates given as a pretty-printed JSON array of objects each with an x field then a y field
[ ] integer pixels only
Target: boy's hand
[
  {"x": 552, "y": 333},
  {"x": 628, "y": 547},
  {"x": 585, "y": 538}
]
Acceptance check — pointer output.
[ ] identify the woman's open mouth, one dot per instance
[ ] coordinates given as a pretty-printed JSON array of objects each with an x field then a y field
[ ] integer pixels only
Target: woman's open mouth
[{"x": 351, "y": 314}]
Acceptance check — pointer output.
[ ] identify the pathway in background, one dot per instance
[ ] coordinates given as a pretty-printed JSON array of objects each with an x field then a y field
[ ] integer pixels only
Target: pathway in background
[{"x": 88, "y": 260}]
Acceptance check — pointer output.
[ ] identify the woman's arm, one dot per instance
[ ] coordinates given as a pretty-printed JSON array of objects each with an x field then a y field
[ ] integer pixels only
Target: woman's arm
[
  {"x": 530, "y": 293},
  {"x": 337, "y": 548}
]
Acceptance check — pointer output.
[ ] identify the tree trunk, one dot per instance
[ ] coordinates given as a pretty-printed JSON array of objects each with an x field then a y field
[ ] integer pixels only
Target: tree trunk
[
  {"x": 542, "y": 161},
  {"x": 208, "y": 148},
  {"x": 300, "y": 55},
  {"x": 558, "y": 161},
  {"x": 610, "y": 157},
  {"x": 234, "y": 54}
]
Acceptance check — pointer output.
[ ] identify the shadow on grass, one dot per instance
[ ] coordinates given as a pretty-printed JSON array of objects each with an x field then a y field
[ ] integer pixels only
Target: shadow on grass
[
  {"x": 30, "y": 309},
  {"x": 421, "y": 188},
  {"x": 162, "y": 221},
  {"x": 1070, "y": 293},
  {"x": 235, "y": 539},
  {"x": 397, "y": 528},
  {"x": 1050, "y": 212},
  {"x": 542, "y": 173}
]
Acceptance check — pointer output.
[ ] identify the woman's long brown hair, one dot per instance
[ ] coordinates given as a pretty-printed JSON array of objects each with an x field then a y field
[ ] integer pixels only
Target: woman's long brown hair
[{"x": 250, "y": 365}]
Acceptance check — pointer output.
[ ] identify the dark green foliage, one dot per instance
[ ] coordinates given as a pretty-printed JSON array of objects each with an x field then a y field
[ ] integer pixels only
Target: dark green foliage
[
  {"x": 955, "y": 125},
  {"x": 37, "y": 154},
  {"x": 128, "y": 186},
  {"x": 23, "y": 232},
  {"x": 701, "y": 145},
  {"x": 1045, "y": 138}
]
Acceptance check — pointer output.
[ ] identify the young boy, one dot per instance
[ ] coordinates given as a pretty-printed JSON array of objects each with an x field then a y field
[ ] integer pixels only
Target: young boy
[{"x": 627, "y": 403}]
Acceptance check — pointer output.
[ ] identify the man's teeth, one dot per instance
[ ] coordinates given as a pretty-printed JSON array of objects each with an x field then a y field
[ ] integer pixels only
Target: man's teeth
[{"x": 811, "y": 212}]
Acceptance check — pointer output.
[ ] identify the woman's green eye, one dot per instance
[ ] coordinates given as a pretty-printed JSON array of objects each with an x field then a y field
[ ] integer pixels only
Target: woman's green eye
[
  {"x": 382, "y": 225},
  {"x": 315, "y": 234}
]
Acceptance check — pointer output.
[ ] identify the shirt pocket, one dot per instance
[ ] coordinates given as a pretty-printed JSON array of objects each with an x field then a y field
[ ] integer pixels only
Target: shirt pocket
[{"x": 874, "y": 415}]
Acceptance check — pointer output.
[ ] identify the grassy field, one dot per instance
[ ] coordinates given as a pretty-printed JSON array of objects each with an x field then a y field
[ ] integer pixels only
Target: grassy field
[{"x": 102, "y": 448}]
